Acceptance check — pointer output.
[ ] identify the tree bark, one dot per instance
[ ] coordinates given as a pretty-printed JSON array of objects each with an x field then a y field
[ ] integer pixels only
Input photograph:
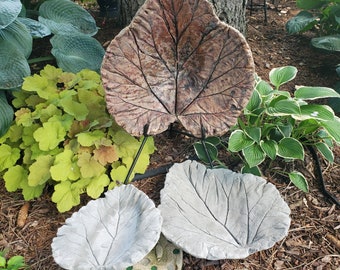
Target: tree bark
[{"x": 232, "y": 12}]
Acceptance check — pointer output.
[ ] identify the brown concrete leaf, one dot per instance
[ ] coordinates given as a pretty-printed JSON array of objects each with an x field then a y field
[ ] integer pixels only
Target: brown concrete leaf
[{"x": 177, "y": 61}]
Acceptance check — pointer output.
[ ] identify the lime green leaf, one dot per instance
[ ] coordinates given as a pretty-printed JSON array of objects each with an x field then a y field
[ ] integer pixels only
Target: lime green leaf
[
  {"x": 238, "y": 140},
  {"x": 8, "y": 156},
  {"x": 74, "y": 108},
  {"x": 149, "y": 147},
  {"x": 89, "y": 138},
  {"x": 15, "y": 262},
  {"x": 14, "y": 177},
  {"x": 40, "y": 170},
  {"x": 89, "y": 167},
  {"x": 270, "y": 148},
  {"x": 325, "y": 151},
  {"x": 299, "y": 180},
  {"x": 24, "y": 117},
  {"x": 290, "y": 148},
  {"x": 254, "y": 133},
  {"x": 202, "y": 153},
  {"x": 333, "y": 128},
  {"x": 119, "y": 173},
  {"x": 65, "y": 196},
  {"x": 50, "y": 134},
  {"x": 311, "y": 93},
  {"x": 97, "y": 185},
  {"x": 41, "y": 86},
  {"x": 51, "y": 73},
  {"x": 2, "y": 261},
  {"x": 31, "y": 192},
  {"x": 282, "y": 75},
  {"x": 127, "y": 145},
  {"x": 64, "y": 168},
  {"x": 253, "y": 155}
]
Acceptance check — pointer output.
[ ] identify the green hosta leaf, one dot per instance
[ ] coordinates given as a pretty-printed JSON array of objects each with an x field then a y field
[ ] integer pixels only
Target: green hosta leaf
[
  {"x": 328, "y": 43},
  {"x": 302, "y": 22},
  {"x": 65, "y": 196},
  {"x": 76, "y": 52},
  {"x": 40, "y": 171},
  {"x": 13, "y": 66},
  {"x": 325, "y": 151},
  {"x": 97, "y": 185},
  {"x": 282, "y": 75},
  {"x": 9, "y": 11},
  {"x": 315, "y": 111},
  {"x": 254, "y": 170},
  {"x": 310, "y": 4},
  {"x": 14, "y": 177},
  {"x": 311, "y": 93},
  {"x": 238, "y": 140},
  {"x": 290, "y": 148},
  {"x": 254, "y": 101},
  {"x": 264, "y": 88},
  {"x": 89, "y": 138},
  {"x": 6, "y": 114},
  {"x": 333, "y": 128},
  {"x": 284, "y": 107},
  {"x": 8, "y": 156},
  {"x": 18, "y": 35},
  {"x": 254, "y": 133},
  {"x": 286, "y": 130},
  {"x": 253, "y": 155},
  {"x": 89, "y": 167},
  {"x": 307, "y": 127},
  {"x": 36, "y": 29},
  {"x": 270, "y": 148},
  {"x": 50, "y": 134},
  {"x": 202, "y": 153},
  {"x": 65, "y": 167},
  {"x": 63, "y": 16},
  {"x": 299, "y": 180}
]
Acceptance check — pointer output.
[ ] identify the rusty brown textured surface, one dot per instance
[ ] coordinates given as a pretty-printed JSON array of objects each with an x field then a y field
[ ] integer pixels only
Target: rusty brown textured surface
[{"x": 177, "y": 61}]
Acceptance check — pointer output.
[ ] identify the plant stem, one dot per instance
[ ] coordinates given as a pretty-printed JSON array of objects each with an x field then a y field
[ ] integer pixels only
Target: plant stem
[{"x": 40, "y": 59}]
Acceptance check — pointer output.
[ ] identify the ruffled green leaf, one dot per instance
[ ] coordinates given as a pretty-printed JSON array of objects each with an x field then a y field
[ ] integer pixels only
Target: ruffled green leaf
[
  {"x": 40, "y": 170},
  {"x": 74, "y": 108},
  {"x": 9, "y": 11},
  {"x": 89, "y": 138},
  {"x": 14, "y": 177},
  {"x": 282, "y": 75},
  {"x": 290, "y": 148},
  {"x": 65, "y": 167},
  {"x": 31, "y": 192},
  {"x": 65, "y": 196},
  {"x": 89, "y": 167},
  {"x": 97, "y": 185},
  {"x": 8, "y": 156}
]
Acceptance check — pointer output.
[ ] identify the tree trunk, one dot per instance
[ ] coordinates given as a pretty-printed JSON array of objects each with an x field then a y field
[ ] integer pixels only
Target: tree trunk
[{"x": 233, "y": 12}]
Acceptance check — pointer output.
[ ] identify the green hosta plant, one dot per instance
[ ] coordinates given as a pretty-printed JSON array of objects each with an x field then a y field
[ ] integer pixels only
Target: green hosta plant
[
  {"x": 63, "y": 136},
  {"x": 275, "y": 124}
]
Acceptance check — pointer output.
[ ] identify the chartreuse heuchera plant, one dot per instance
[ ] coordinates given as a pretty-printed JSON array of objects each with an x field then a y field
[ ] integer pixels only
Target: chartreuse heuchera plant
[
  {"x": 13, "y": 263},
  {"x": 276, "y": 124},
  {"x": 63, "y": 136}
]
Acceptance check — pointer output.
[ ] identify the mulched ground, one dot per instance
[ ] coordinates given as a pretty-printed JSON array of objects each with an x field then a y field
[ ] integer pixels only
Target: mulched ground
[{"x": 313, "y": 241}]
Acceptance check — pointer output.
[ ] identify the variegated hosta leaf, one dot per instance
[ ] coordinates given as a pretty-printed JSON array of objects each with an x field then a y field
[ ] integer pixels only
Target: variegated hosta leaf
[
  {"x": 219, "y": 214},
  {"x": 177, "y": 61},
  {"x": 109, "y": 233}
]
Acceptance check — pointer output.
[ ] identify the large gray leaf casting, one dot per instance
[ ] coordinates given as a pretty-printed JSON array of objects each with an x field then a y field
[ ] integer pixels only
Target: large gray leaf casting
[
  {"x": 177, "y": 61},
  {"x": 219, "y": 214},
  {"x": 109, "y": 233}
]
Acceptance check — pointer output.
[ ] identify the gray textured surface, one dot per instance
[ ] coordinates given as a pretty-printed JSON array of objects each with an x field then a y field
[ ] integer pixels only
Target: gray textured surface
[
  {"x": 109, "y": 233},
  {"x": 220, "y": 214}
]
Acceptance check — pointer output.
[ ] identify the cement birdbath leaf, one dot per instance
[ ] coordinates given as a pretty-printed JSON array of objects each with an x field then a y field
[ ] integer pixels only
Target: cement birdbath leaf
[
  {"x": 114, "y": 232},
  {"x": 177, "y": 61},
  {"x": 219, "y": 214}
]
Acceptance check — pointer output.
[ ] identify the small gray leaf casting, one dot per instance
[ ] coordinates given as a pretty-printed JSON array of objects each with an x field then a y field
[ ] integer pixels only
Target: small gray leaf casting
[
  {"x": 219, "y": 214},
  {"x": 177, "y": 61},
  {"x": 109, "y": 233}
]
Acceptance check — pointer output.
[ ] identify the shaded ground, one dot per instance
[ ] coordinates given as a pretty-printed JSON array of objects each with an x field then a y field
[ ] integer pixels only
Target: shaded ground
[{"x": 314, "y": 236}]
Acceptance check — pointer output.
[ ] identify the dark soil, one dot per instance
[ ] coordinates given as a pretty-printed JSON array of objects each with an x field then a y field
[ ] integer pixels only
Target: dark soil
[{"x": 313, "y": 241}]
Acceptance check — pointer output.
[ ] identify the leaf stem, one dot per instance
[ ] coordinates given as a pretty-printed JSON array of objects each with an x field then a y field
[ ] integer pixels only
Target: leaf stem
[{"x": 40, "y": 59}]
